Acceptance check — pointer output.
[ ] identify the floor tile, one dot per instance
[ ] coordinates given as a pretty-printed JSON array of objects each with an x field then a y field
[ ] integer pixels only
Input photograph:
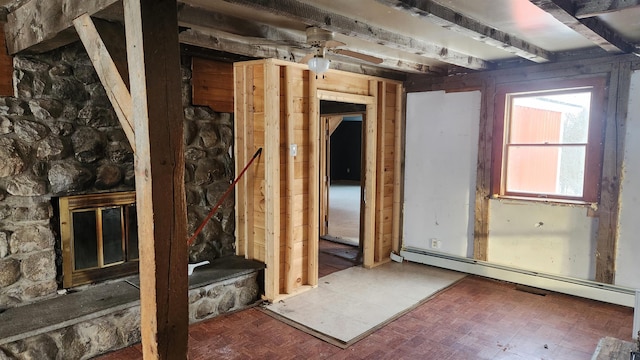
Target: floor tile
[{"x": 476, "y": 318}]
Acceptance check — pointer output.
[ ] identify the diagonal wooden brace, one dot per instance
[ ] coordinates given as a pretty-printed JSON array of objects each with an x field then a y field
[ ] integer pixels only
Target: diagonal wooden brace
[{"x": 110, "y": 78}]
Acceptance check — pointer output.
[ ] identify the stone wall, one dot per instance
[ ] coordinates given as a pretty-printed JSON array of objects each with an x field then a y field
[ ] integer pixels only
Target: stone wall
[{"x": 60, "y": 136}]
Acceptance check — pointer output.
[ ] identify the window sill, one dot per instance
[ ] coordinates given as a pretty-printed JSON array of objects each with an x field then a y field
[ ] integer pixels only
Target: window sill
[{"x": 562, "y": 202}]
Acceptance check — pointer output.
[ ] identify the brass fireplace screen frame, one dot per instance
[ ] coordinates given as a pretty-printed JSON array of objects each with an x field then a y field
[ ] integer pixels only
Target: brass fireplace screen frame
[{"x": 72, "y": 207}]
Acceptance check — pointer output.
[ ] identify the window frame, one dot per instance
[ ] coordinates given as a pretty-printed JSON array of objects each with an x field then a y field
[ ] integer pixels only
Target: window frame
[{"x": 595, "y": 140}]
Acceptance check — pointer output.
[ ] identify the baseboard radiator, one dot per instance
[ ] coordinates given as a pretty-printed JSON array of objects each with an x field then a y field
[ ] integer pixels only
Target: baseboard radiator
[{"x": 577, "y": 287}]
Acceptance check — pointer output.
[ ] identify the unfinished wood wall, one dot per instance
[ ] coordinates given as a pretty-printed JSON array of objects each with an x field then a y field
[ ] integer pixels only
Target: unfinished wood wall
[
  {"x": 388, "y": 179},
  {"x": 212, "y": 84},
  {"x": 277, "y": 104},
  {"x": 6, "y": 70}
]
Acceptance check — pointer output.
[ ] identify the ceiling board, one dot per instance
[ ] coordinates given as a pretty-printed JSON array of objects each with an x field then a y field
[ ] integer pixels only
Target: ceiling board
[
  {"x": 524, "y": 20},
  {"x": 626, "y": 22}
]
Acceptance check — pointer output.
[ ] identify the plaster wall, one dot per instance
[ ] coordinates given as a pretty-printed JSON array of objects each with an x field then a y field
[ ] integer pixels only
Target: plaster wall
[
  {"x": 552, "y": 239},
  {"x": 440, "y": 175},
  {"x": 440, "y": 170}
]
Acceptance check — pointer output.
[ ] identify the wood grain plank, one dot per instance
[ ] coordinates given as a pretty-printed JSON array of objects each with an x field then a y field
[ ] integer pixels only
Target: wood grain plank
[
  {"x": 381, "y": 126},
  {"x": 314, "y": 180},
  {"x": 272, "y": 179},
  {"x": 609, "y": 207},
  {"x": 483, "y": 175},
  {"x": 239, "y": 149},
  {"x": 370, "y": 140},
  {"x": 6, "y": 70},
  {"x": 212, "y": 84},
  {"x": 291, "y": 255},
  {"x": 160, "y": 197},
  {"x": 45, "y": 25}
]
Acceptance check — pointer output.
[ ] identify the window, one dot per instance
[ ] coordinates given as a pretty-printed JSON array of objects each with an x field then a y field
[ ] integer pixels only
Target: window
[
  {"x": 99, "y": 237},
  {"x": 548, "y": 140}
]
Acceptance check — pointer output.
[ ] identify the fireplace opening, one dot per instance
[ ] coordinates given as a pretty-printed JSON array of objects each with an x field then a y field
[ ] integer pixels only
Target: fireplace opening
[{"x": 99, "y": 237}]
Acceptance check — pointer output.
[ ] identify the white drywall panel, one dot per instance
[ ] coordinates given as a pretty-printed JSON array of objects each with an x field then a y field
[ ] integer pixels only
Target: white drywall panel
[
  {"x": 553, "y": 239},
  {"x": 627, "y": 264},
  {"x": 440, "y": 170}
]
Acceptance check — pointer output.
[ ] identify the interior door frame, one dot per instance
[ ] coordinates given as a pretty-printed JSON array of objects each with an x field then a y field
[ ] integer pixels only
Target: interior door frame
[
  {"x": 369, "y": 149},
  {"x": 325, "y": 165}
]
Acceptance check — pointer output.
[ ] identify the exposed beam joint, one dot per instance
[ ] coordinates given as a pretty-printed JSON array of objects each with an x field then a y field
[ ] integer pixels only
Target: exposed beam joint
[
  {"x": 449, "y": 19},
  {"x": 221, "y": 41},
  {"x": 591, "y": 28},
  {"x": 351, "y": 27},
  {"x": 264, "y": 36},
  {"x": 585, "y": 9},
  {"x": 45, "y": 25},
  {"x": 110, "y": 78}
]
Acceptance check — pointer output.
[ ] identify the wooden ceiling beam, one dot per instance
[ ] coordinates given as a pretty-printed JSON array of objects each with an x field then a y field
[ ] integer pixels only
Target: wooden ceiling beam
[
  {"x": 591, "y": 28},
  {"x": 45, "y": 25},
  {"x": 449, "y": 19},
  {"x": 264, "y": 36},
  {"x": 259, "y": 48},
  {"x": 347, "y": 26},
  {"x": 203, "y": 19},
  {"x": 585, "y": 9}
]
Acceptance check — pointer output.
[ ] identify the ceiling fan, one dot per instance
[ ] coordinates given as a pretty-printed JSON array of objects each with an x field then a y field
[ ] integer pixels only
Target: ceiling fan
[{"x": 322, "y": 42}]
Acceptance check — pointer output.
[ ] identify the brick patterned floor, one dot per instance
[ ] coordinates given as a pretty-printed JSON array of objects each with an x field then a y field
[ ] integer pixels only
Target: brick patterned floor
[{"x": 476, "y": 318}]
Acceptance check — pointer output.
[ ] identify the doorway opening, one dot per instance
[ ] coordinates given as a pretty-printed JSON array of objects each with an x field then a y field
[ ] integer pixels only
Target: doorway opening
[{"x": 340, "y": 244}]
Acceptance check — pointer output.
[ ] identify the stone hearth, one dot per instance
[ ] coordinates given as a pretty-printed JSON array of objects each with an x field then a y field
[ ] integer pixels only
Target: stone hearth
[{"x": 106, "y": 317}]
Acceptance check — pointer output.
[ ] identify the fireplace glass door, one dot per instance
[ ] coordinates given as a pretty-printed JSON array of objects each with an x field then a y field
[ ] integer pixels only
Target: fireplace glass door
[{"x": 99, "y": 237}]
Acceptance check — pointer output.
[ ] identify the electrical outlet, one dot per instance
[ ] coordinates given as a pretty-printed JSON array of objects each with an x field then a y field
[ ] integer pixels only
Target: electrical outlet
[
  {"x": 293, "y": 149},
  {"x": 435, "y": 244}
]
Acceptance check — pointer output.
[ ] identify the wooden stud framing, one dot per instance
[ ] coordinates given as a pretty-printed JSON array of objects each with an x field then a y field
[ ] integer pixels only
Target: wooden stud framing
[
  {"x": 381, "y": 92},
  {"x": 250, "y": 175},
  {"x": 325, "y": 158},
  {"x": 110, "y": 78},
  {"x": 397, "y": 171},
  {"x": 290, "y": 279},
  {"x": 370, "y": 177},
  {"x": 272, "y": 177},
  {"x": 286, "y": 110},
  {"x": 240, "y": 131},
  {"x": 314, "y": 180},
  {"x": 160, "y": 197}
]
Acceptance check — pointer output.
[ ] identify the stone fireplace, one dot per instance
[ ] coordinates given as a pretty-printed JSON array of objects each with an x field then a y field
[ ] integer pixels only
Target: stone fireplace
[{"x": 60, "y": 137}]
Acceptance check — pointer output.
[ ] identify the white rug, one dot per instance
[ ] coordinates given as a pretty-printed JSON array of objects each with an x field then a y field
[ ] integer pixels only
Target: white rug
[{"x": 349, "y": 304}]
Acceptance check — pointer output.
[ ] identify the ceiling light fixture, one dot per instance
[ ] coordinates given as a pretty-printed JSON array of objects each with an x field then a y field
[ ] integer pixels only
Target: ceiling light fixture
[{"x": 319, "y": 64}]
